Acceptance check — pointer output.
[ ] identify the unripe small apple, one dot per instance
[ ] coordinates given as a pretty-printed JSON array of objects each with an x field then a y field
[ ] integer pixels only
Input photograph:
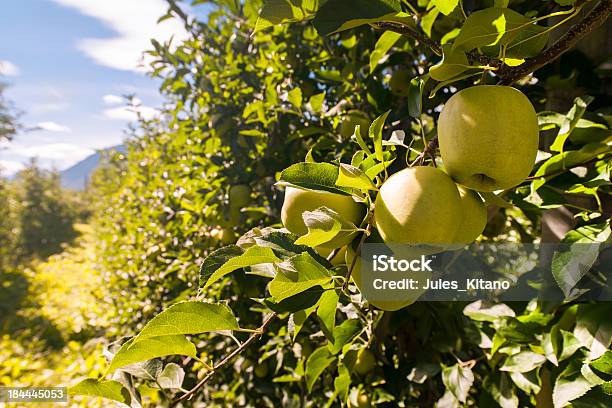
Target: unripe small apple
[
  {"x": 418, "y": 206},
  {"x": 488, "y": 137},
  {"x": 361, "y": 400},
  {"x": 261, "y": 370},
  {"x": 297, "y": 201},
  {"x": 351, "y": 119},
  {"x": 408, "y": 297},
  {"x": 225, "y": 236},
  {"x": 400, "y": 82},
  {"x": 239, "y": 196},
  {"x": 365, "y": 362}
]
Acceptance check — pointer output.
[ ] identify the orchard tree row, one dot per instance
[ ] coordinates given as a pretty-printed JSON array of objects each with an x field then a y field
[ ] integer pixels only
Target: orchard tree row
[{"x": 296, "y": 131}]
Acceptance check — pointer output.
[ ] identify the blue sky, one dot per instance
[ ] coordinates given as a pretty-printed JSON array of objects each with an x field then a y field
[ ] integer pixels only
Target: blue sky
[{"x": 68, "y": 63}]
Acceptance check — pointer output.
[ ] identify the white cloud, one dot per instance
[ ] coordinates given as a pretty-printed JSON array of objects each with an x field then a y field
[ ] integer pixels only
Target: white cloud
[
  {"x": 50, "y": 155},
  {"x": 52, "y": 127},
  {"x": 113, "y": 99},
  {"x": 129, "y": 113},
  {"x": 135, "y": 23},
  {"x": 10, "y": 167},
  {"x": 7, "y": 68}
]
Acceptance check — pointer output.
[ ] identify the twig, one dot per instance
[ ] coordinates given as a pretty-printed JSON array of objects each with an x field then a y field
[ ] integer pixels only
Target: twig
[
  {"x": 407, "y": 31},
  {"x": 434, "y": 46},
  {"x": 367, "y": 232},
  {"x": 429, "y": 149},
  {"x": 596, "y": 17},
  {"x": 252, "y": 338}
]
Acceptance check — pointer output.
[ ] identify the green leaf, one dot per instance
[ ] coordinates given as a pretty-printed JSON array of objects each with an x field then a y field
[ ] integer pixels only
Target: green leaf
[
  {"x": 570, "y": 266},
  {"x": 299, "y": 317},
  {"x": 453, "y": 63},
  {"x": 415, "y": 95},
  {"x": 570, "y": 384},
  {"x": 191, "y": 317},
  {"x": 528, "y": 382},
  {"x": 216, "y": 259},
  {"x": 530, "y": 41},
  {"x": 445, "y": 6},
  {"x": 111, "y": 389},
  {"x": 296, "y": 275},
  {"x": 570, "y": 122},
  {"x": 353, "y": 177},
  {"x": 594, "y": 328},
  {"x": 136, "y": 351},
  {"x": 603, "y": 363},
  {"x": 523, "y": 362},
  {"x": 172, "y": 377},
  {"x": 313, "y": 176},
  {"x": 316, "y": 102},
  {"x": 327, "y": 311},
  {"x": 487, "y": 312},
  {"x": 148, "y": 370},
  {"x": 323, "y": 225},
  {"x": 344, "y": 333},
  {"x": 428, "y": 20},
  {"x": 423, "y": 371},
  {"x": 254, "y": 255},
  {"x": 284, "y": 11},
  {"x": 491, "y": 26},
  {"x": 318, "y": 361},
  {"x": 342, "y": 382},
  {"x": 458, "y": 380},
  {"x": 569, "y": 159},
  {"x": 337, "y": 15},
  {"x": 590, "y": 375},
  {"x": 303, "y": 301},
  {"x": 491, "y": 198},
  {"x": 383, "y": 45},
  {"x": 503, "y": 391},
  {"x": 375, "y": 133},
  {"x": 295, "y": 97},
  {"x": 570, "y": 344}
]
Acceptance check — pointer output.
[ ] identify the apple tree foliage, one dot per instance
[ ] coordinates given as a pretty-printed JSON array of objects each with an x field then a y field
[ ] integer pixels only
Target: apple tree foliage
[{"x": 257, "y": 95}]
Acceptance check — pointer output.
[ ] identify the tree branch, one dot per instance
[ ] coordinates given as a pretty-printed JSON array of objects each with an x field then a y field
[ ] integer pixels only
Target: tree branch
[
  {"x": 409, "y": 32},
  {"x": 252, "y": 338},
  {"x": 431, "y": 44},
  {"x": 596, "y": 17}
]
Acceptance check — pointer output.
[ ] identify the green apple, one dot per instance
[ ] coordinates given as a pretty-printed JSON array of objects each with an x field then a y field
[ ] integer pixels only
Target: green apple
[
  {"x": 297, "y": 201},
  {"x": 418, "y": 206},
  {"x": 361, "y": 400},
  {"x": 400, "y": 82},
  {"x": 239, "y": 195},
  {"x": 488, "y": 137},
  {"x": 351, "y": 119},
  {"x": 365, "y": 361},
  {"x": 474, "y": 217},
  {"x": 261, "y": 370},
  {"x": 408, "y": 296},
  {"x": 225, "y": 236}
]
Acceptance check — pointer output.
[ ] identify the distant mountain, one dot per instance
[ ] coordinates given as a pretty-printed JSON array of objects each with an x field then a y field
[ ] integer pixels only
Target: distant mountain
[{"x": 77, "y": 176}]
